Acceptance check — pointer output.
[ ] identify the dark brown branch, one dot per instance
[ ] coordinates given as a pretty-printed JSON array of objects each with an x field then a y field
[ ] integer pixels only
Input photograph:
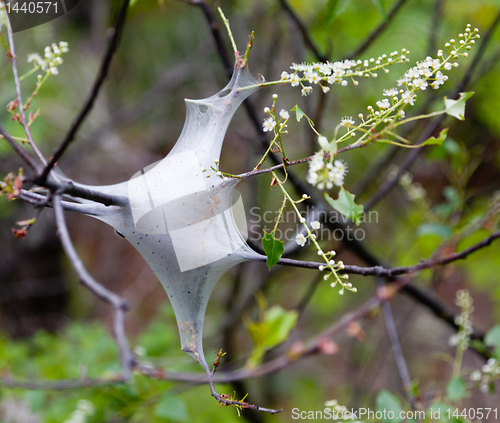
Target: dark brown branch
[
  {"x": 119, "y": 305},
  {"x": 395, "y": 271},
  {"x": 376, "y": 32},
  {"x": 304, "y": 31},
  {"x": 114, "y": 37},
  {"x": 216, "y": 35}
]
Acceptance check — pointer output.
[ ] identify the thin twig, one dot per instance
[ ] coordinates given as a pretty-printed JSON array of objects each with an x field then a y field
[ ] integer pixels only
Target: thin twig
[
  {"x": 119, "y": 305},
  {"x": 114, "y": 37},
  {"x": 395, "y": 271},
  {"x": 392, "y": 332},
  {"x": 21, "y": 152},
  {"x": 13, "y": 58},
  {"x": 304, "y": 31},
  {"x": 376, "y": 32}
]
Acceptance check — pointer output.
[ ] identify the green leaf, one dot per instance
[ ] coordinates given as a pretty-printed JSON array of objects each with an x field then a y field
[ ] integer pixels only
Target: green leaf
[
  {"x": 456, "y": 108},
  {"x": 298, "y": 112},
  {"x": 388, "y": 402},
  {"x": 273, "y": 248},
  {"x": 172, "y": 408},
  {"x": 273, "y": 328},
  {"x": 380, "y": 7},
  {"x": 437, "y": 141},
  {"x": 334, "y": 9},
  {"x": 456, "y": 389},
  {"x": 345, "y": 205},
  {"x": 492, "y": 339}
]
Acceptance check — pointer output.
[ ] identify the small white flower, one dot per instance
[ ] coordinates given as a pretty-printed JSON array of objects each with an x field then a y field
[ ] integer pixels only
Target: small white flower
[
  {"x": 408, "y": 98},
  {"x": 284, "y": 114},
  {"x": 338, "y": 179},
  {"x": 54, "y": 70},
  {"x": 441, "y": 78},
  {"x": 325, "y": 89},
  {"x": 347, "y": 121},
  {"x": 383, "y": 104},
  {"x": 306, "y": 91},
  {"x": 295, "y": 80},
  {"x": 420, "y": 83},
  {"x": 391, "y": 92},
  {"x": 269, "y": 124},
  {"x": 447, "y": 66},
  {"x": 284, "y": 75},
  {"x": 315, "y": 225},
  {"x": 300, "y": 239}
]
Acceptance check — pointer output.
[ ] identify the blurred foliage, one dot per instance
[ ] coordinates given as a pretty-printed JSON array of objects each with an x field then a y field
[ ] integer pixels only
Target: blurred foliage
[{"x": 167, "y": 54}]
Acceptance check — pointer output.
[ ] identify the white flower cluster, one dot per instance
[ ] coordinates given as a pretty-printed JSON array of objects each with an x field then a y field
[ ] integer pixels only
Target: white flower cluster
[
  {"x": 338, "y": 72},
  {"x": 269, "y": 123},
  {"x": 424, "y": 74},
  {"x": 324, "y": 174},
  {"x": 52, "y": 57},
  {"x": 488, "y": 373},
  {"x": 84, "y": 408},
  {"x": 461, "y": 339}
]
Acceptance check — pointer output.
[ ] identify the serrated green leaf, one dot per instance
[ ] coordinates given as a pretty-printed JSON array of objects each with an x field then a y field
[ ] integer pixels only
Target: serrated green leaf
[
  {"x": 492, "y": 339},
  {"x": 456, "y": 389},
  {"x": 172, "y": 408},
  {"x": 389, "y": 403},
  {"x": 456, "y": 108},
  {"x": 345, "y": 205},
  {"x": 273, "y": 248},
  {"x": 299, "y": 114},
  {"x": 437, "y": 141}
]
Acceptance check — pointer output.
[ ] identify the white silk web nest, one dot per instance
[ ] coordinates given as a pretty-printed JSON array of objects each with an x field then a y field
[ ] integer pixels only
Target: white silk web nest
[{"x": 190, "y": 229}]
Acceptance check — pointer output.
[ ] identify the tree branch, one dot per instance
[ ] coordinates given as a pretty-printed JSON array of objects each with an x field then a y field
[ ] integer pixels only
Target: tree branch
[
  {"x": 383, "y": 272},
  {"x": 17, "y": 83},
  {"x": 21, "y": 152},
  {"x": 304, "y": 31},
  {"x": 376, "y": 32},
  {"x": 392, "y": 332},
  {"x": 119, "y": 305},
  {"x": 114, "y": 37}
]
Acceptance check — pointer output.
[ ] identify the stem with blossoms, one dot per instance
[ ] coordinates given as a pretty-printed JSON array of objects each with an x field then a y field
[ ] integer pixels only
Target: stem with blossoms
[{"x": 330, "y": 264}]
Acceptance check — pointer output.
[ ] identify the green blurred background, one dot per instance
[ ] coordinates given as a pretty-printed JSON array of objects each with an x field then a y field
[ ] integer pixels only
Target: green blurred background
[{"x": 52, "y": 328}]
